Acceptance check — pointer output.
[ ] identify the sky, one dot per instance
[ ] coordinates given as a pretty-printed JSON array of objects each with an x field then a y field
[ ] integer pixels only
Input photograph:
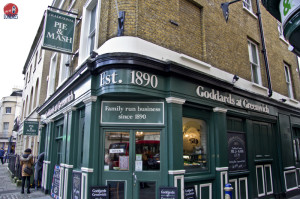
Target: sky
[{"x": 16, "y": 37}]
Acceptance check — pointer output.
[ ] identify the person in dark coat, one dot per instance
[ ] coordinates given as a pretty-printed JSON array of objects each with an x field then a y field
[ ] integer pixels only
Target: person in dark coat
[
  {"x": 26, "y": 160},
  {"x": 1, "y": 155},
  {"x": 39, "y": 170}
]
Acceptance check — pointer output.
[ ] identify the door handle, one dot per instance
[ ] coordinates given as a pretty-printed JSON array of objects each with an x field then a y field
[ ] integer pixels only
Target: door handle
[{"x": 135, "y": 178}]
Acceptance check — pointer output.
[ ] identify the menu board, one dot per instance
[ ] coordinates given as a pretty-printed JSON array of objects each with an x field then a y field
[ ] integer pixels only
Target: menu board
[
  {"x": 168, "y": 193},
  {"x": 99, "y": 192},
  {"x": 237, "y": 151},
  {"x": 189, "y": 193},
  {"x": 76, "y": 185},
  {"x": 124, "y": 162},
  {"x": 55, "y": 182}
]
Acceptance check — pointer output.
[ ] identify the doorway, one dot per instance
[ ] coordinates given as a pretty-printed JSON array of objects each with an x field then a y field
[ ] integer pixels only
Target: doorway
[{"x": 131, "y": 166}]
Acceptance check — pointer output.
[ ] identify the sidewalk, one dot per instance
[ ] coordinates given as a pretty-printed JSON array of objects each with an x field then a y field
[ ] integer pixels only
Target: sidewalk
[{"x": 9, "y": 190}]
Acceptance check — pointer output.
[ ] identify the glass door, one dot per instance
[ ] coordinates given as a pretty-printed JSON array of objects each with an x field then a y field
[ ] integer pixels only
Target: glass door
[{"x": 131, "y": 166}]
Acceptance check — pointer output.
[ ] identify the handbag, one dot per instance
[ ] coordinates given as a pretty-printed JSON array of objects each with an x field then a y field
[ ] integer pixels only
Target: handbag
[{"x": 28, "y": 170}]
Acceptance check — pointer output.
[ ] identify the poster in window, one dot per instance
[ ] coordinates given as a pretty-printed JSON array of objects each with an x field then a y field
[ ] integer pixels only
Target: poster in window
[
  {"x": 124, "y": 162},
  {"x": 237, "y": 151}
]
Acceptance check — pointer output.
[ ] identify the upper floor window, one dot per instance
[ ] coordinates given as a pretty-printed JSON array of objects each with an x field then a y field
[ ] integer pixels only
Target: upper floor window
[
  {"x": 254, "y": 62},
  {"x": 36, "y": 60},
  {"x": 5, "y": 126},
  {"x": 89, "y": 29},
  {"x": 64, "y": 71},
  {"x": 288, "y": 81},
  {"x": 52, "y": 74},
  {"x": 247, "y": 5},
  {"x": 8, "y": 110}
]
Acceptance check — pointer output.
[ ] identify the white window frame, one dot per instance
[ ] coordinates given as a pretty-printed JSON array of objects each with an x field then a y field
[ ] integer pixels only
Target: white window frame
[
  {"x": 288, "y": 81},
  {"x": 52, "y": 74},
  {"x": 247, "y": 5},
  {"x": 64, "y": 70},
  {"x": 256, "y": 70},
  {"x": 84, "y": 48}
]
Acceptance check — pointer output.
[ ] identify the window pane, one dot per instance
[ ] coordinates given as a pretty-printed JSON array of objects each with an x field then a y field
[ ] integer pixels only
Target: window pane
[
  {"x": 93, "y": 19},
  {"x": 8, "y": 109},
  {"x": 254, "y": 74},
  {"x": 254, "y": 54},
  {"x": 116, "y": 150},
  {"x": 116, "y": 189},
  {"x": 147, "y": 190},
  {"x": 195, "y": 140},
  {"x": 92, "y": 42},
  {"x": 147, "y": 148}
]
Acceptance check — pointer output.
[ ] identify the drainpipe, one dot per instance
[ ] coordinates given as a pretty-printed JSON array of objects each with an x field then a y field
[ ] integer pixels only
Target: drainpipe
[{"x": 264, "y": 51}]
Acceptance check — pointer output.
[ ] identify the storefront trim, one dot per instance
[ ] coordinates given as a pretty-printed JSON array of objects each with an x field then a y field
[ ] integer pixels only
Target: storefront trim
[
  {"x": 209, "y": 185},
  {"x": 88, "y": 170},
  {"x": 90, "y": 99},
  {"x": 181, "y": 178},
  {"x": 176, "y": 172},
  {"x": 221, "y": 110},
  {"x": 285, "y": 180},
  {"x": 221, "y": 168},
  {"x": 175, "y": 100}
]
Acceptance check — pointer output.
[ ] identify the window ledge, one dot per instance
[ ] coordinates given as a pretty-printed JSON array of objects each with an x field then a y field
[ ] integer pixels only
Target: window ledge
[
  {"x": 259, "y": 87},
  {"x": 293, "y": 101},
  {"x": 250, "y": 12},
  {"x": 283, "y": 39}
]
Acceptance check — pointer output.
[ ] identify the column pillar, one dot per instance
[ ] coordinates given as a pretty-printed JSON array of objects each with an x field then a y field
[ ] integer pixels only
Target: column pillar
[
  {"x": 221, "y": 150},
  {"x": 175, "y": 143},
  {"x": 91, "y": 144}
]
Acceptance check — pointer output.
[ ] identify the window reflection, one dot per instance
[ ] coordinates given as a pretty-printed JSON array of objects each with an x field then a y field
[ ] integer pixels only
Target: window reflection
[{"x": 147, "y": 147}]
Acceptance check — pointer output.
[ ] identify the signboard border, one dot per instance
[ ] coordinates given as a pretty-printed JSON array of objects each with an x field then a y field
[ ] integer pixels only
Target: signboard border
[{"x": 132, "y": 123}]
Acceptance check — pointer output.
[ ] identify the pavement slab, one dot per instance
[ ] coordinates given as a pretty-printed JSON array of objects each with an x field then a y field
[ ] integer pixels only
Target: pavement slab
[{"x": 9, "y": 190}]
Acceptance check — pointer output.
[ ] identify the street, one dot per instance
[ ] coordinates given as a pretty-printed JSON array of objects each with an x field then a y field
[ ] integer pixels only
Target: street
[{"x": 9, "y": 190}]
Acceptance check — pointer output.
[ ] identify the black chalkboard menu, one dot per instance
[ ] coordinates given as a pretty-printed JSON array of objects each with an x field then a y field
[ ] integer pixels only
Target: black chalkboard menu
[
  {"x": 99, "y": 192},
  {"x": 189, "y": 193},
  {"x": 237, "y": 151},
  {"x": 76, "y": 185},
  {"x": 168, "y": 193},
  {"x": 55, "y": 182}
]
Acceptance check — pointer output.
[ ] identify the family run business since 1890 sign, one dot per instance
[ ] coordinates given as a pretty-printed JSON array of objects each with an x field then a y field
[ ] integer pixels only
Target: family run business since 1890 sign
[
  {"x": 128, "y": 112},
  {"x": 59, "y": 32}
]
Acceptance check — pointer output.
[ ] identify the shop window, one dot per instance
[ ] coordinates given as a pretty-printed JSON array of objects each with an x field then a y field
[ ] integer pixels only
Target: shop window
[
  {"x": 195, "y": 141},
  {"x": 59, "y": 140},
  {"x": 296, "y": 144}
]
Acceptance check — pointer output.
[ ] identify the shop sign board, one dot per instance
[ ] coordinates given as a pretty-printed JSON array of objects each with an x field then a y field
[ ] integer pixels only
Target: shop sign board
[
  {"x": 237, "y": 151},
  {"x": 59, "y": 32},
  {"x": 31, "y": 128},
  {"x": 231, "y": 99},
  {"x": 168, "y": 193},
  {"x": 132, "y": 112},
  {"x": 190, "y": 193},
  {"x": 76, "y": 185},
  {"x": 287, "y": 8},
  {"x": 99, "y": 192},
  {"x": 55, "y": 183}
]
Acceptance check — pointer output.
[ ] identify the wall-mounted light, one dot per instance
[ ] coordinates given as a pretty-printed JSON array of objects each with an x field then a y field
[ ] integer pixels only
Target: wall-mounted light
[
  {"x": 235, "y": 78},
  {"x": 283, "y": 100}
]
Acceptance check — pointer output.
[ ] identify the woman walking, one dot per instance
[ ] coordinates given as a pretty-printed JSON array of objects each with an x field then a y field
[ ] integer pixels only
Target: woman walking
[{"x": 27, "y": 171}]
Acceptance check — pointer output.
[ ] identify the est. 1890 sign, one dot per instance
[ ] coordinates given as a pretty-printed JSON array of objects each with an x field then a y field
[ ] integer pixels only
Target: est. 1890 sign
[
  {"x": 128, "y": 112},
  {"x": 59, "y": 32}
]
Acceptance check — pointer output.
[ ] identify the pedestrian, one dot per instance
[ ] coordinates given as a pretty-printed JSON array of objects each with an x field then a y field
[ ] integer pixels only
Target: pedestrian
[
  {"x": 39, "y": 170},
  {"x": 1, "y": 155},
  {"x": 27, "y": 164}
]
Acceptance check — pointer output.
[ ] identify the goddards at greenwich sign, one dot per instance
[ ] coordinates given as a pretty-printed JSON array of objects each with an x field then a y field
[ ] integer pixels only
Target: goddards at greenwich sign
[
  {"x": 59, "y": 32},
  {"x": 231, "y": 99}
]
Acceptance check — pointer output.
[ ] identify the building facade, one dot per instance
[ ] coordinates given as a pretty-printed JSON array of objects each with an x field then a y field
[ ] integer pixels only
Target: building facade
[
  {"x": 173, "y": 97},
  {"x": 10, "y": 109}
]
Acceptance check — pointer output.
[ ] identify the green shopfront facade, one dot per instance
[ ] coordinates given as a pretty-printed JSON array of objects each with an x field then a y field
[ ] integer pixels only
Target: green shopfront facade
[{"x": 136, "y": 124}]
